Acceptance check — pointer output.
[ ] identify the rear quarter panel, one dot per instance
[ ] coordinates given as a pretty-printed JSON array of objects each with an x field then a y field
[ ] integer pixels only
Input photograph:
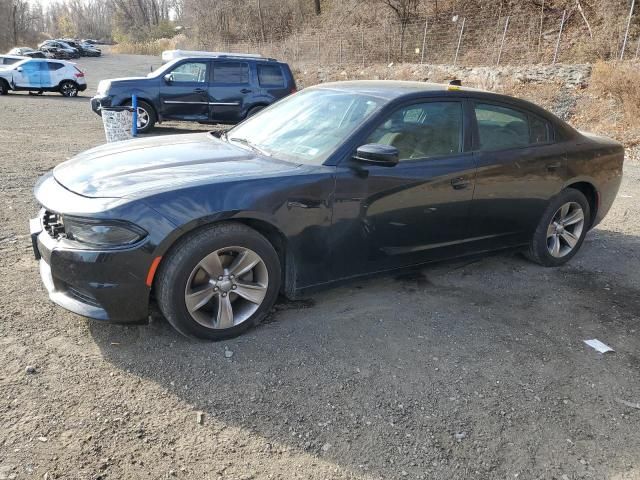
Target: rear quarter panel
[{"x": 598, "y": 161}]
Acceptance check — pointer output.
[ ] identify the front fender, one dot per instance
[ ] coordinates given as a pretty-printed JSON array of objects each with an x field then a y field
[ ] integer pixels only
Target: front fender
[
  {"x": 123, "y": 98},
  {"x": 217, "y": 217}
]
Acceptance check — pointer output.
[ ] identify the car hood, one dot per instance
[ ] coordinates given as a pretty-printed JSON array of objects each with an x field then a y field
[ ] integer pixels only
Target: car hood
[
  {"x": 139, "y": 167},
  {"x": 127, "y": 79}
]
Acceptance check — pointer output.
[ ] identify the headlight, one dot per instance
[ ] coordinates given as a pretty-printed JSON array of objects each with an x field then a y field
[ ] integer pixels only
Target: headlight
[
  {"x": 103, "y": 87},
  {"x": 102, "y": 233}
]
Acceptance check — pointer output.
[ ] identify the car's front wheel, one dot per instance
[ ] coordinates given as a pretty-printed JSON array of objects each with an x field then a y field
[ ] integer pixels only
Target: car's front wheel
[
  {"x": 561, "y": 230},
  {"x": 4, "y": 87},
  {"x": 219, "y": 281},
  {"x": 146, "y": 117},
  {"x": 69, "y": 88}
]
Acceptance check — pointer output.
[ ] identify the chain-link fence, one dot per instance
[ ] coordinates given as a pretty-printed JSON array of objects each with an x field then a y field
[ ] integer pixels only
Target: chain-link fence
[{"x": 473, "y": 40}]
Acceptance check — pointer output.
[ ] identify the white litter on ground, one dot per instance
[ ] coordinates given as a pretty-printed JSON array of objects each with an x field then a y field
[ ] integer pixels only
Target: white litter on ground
[{"x": 599, "y": 346}]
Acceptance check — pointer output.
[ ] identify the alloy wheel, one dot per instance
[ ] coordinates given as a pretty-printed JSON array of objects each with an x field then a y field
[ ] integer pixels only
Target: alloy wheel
[
  {"x": 226, "y": 287},
  {"x": 69, "y": 89},
  {"x": 143, "y": 118},
  {"x": 565, "y": 229}
]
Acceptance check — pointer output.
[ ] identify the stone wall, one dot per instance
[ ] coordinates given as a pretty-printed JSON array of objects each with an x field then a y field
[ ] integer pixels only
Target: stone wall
[{"x": 489, "y": 78}]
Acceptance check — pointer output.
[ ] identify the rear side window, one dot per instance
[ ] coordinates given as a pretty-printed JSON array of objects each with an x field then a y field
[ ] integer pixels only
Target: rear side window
[
  {"x": 270, "y": 76},
  {"x": 230, "y": 72},
  {"x": 502, "y": 128},
  {"x": 539, "y": 130},
  {"x": 53, "y": 66}
]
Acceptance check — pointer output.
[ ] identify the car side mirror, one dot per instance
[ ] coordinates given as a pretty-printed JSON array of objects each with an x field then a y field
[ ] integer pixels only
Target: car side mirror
[
  {"x": 168, "y": 78},
  {"x": 18, "y": 69},
  {"x": 378, "y": 154}
]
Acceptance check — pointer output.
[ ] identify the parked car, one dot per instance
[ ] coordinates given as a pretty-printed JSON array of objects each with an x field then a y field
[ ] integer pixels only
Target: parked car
[
  {"x": 10, "y": 59},
  {"x": 27, "y": 52},
  {"x": 42, "y": 75},
  {"x": 56, "y": 53},
  {"x": 90, "y": 50},
  {"x": 85, "y": 49},
  {"x": 73, "y": 44},
  {"x": 61, "y": 49},
  {"x": 220, "y": 89},
  {"x": 338, "y": 181}
]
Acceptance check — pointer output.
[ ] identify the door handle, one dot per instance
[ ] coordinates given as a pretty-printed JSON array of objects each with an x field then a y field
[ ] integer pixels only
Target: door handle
[
  {"x": 552, "y": 167},
  {"x": 459, "y": 183},
  {"x": 245, "y": 90},
  {"x": 200, "y": 90}
]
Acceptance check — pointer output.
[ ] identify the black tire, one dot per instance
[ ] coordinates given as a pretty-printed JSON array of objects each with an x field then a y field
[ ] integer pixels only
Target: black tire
[
  {"x": 150, "y": 111},
  {"x": 4, "y": 87},
  {"x": 69, "y": 88},
  {"x": 176, "y": 271},
  {"x": 253, "y": 110},
  {"x": 540, "y": 247}
]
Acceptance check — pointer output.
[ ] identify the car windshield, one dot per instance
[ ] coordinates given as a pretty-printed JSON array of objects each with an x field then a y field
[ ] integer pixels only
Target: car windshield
[
  {"x": 306, "y": 127},
  {"x": 163, "y": 68}
]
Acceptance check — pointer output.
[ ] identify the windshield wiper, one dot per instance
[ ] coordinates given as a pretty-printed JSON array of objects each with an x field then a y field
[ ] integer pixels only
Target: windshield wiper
[{"x": 252, "y": 146}]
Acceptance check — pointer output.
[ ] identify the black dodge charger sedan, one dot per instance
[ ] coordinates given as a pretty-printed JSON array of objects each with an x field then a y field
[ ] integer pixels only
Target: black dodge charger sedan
[{"x": 338, "y": 181}]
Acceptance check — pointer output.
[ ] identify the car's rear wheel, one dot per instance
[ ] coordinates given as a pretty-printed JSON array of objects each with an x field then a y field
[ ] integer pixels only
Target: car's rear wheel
[
  {"x": 219, "y": 281},
  {"x": 69, "y": 88},
  {"x": 561, "y": 230},
  {"x": 252, "y": 111}
]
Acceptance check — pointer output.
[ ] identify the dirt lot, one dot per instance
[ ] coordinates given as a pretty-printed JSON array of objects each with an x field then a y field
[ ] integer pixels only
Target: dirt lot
[{"x": 472, "y": 369}]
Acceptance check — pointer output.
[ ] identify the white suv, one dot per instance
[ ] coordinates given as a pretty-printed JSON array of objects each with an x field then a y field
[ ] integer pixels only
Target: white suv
[{"x": 42, "y": 75}]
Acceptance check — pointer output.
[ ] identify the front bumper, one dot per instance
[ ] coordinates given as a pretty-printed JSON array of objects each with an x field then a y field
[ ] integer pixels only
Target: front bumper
[
  {"x": 105, "y": 285},
  {"x": 100, "y": 101}
]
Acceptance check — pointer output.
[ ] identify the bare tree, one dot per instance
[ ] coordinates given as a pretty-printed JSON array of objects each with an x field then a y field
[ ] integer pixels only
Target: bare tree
[{"x": 405, "y": 11}]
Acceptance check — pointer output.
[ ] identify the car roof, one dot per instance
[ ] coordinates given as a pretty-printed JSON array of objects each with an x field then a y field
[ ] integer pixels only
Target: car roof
[
  {"x": 230, "y": 58},
  {"x": 43, "y": 60},
  {"x": 10, "y": 55},
  {"x": 392, "y": 89},
  {"x": 399, "y": 89}
]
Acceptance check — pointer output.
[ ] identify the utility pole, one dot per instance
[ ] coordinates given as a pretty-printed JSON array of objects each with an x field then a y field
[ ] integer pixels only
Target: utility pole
[
  {"x": 261, "y": 20},
  {"x": 626, "y": 33},
  {"x": 555, "y": 54}
]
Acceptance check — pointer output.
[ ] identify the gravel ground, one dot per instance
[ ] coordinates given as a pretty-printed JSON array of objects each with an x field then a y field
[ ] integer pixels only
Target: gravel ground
[{"x": 473, "y": 369}]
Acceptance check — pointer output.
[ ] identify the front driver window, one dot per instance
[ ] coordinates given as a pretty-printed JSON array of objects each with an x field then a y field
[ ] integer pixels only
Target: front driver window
[
  {"x": 30, "y": 67},
  {"x": 190, "y": 72},
  {"x": 422, "y": 130}
]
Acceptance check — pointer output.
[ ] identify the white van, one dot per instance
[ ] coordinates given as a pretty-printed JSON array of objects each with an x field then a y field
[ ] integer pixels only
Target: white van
[{"x": 169, "y": 55}]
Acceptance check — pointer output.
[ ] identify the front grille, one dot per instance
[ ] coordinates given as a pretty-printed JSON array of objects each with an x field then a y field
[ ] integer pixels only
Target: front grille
[{"x": 52, "y": 224}]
